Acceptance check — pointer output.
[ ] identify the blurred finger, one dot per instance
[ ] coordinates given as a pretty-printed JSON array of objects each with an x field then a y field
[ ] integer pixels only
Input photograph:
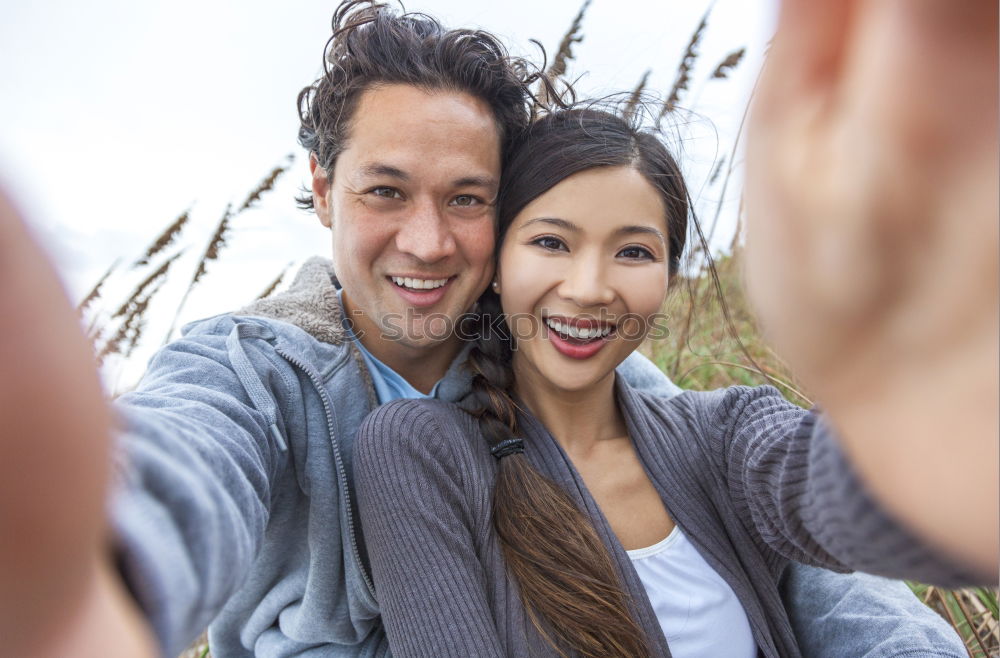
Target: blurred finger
[
  {"x": 807, "y": 52},
  {"x": 54, "y": 433}
]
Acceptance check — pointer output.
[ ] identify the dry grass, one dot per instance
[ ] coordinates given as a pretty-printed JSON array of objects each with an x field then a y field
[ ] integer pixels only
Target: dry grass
[
  {"x": 274, "y": 284},
  {"x": 267, "y": 184},
  {"x": 636, "y": 96},
  {"x": 703, "y": 349},
  {"x": 163, "y": 240},
  {"x": 727, "y": 65},
  {"x": 95, "y": 292},
  {"x": 218, "y": 239},
  {"x": 154, "y": 276},
  {"x": 564, "y": 54},
  {"x": 126, "y": 338},
  {"x": 683, "y": 76}
]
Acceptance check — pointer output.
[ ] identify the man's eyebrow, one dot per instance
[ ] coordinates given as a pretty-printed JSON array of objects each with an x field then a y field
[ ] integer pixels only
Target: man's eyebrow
[
  {"x": 554, "y": 221},
  {"x": 379, "y": 169},
  {"x": 645, "y": 230}
]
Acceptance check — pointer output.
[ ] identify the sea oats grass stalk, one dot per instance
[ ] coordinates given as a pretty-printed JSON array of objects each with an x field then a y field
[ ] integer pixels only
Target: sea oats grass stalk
[
  {"x": 556, "y": 71},
  {"x": 163, "y": 240},
  {"x": 684, "y": 69},
  {"x": 95, "y": 292},
  {"x": 267, "y": 184},
  {"x": 212, "y": 251},
  {"x": 129, "y": 331},
  {"x": 565, "y": 52},
  {"x": 218, "y": 239},
  {"x": 726, "y": 66},
  {"x": 632, "y": 104},
  {"x": 154, "y": 276},
  {"x": 274, "y": 284}
]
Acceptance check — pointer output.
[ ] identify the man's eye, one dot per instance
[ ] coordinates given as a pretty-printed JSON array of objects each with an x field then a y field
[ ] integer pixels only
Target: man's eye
[
  {"x": 550, "y": 243},
  {"x": 466, "y": 200},
  {"x": 386, "y": 193},
  {"x": 636, "y": 253}
]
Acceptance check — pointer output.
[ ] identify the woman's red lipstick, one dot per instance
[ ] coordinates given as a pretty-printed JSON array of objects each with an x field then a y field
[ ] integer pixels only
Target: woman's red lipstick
[{"x": 576, "y": 348}]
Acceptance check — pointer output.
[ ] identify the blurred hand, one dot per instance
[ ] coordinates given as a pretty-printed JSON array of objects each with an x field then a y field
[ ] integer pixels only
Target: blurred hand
[
  {"x": 58, "y": 594},
  {"x": 872, "y": 244}
]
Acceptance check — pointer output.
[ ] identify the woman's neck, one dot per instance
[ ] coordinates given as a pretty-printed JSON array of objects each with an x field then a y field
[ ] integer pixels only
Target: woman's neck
[{"x": 576, "y": 419}]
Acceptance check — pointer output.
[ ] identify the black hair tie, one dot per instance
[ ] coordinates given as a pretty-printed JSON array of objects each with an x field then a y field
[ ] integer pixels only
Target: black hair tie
[{"x": 507, "y": 447}]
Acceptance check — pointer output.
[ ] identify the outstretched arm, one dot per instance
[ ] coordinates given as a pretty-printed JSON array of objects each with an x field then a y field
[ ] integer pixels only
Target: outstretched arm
[
  {"x": 60, "y": 595},
  {"x": 871, "y": 246},
  {"x": 189, "y": 506},
  {"x": 794, "y": 489}
]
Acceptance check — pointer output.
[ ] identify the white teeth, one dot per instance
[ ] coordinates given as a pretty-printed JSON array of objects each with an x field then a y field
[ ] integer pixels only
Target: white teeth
[
  {"x": 418, "y": 284},
  {"x": 580, "y": 333}
]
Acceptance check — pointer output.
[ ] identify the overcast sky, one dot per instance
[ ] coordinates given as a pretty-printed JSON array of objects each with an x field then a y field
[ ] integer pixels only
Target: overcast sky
[{"x": 116, "y": 116}]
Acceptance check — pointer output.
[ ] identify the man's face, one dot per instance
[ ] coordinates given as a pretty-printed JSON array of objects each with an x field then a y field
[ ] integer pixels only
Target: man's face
[{"x": 411, "y": 210}]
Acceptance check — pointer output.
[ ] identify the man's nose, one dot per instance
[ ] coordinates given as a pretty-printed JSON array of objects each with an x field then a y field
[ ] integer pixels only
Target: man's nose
[
  {"x": 586, "y": 283},
  {"x": 426, "y": 234}
]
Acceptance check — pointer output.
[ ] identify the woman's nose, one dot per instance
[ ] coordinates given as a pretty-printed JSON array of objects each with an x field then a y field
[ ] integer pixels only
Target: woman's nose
[{"x": 586, "y": 283}]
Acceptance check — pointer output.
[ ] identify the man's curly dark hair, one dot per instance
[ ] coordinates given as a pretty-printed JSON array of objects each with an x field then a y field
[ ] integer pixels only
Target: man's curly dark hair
[{"x": 371, "y": 44}]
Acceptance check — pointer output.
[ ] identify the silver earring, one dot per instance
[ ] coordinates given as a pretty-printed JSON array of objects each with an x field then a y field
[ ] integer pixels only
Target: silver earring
[{"x": 496, "y": 286}]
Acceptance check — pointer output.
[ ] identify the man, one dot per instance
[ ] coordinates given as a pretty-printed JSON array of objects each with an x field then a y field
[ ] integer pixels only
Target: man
[{"x": 233, "y": 508}]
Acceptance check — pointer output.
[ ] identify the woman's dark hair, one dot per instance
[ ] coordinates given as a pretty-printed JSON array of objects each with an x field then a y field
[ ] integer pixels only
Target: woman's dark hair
[
  {"x": 567, "y": 579},
  {"x": 372, "y": 45}
]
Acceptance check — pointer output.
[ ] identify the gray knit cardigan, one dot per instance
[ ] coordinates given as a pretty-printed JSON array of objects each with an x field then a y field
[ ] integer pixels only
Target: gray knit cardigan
[{"x": 751, "y": 479}]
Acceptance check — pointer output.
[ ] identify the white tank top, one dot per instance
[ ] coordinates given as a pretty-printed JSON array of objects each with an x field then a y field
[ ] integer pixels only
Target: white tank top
[{"x": 698, "y": 611}]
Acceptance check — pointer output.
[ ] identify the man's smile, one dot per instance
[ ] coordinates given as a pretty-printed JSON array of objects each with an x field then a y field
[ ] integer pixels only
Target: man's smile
[{"x": 421, "y": 292}]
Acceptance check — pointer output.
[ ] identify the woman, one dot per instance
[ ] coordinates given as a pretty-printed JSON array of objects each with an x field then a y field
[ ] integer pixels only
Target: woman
[{"x": 592, "y": 519}]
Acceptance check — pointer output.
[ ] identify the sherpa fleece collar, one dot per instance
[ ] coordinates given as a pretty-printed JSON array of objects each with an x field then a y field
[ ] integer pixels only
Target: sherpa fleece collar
[{"x": 310, "y": 303}]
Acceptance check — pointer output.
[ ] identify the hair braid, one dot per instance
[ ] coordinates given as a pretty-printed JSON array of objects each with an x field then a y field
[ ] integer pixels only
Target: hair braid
[{"x": 568, "y": 582}]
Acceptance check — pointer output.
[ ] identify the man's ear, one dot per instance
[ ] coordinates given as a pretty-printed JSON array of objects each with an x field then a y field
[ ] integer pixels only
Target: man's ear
[{"x": 320, "y": 190}]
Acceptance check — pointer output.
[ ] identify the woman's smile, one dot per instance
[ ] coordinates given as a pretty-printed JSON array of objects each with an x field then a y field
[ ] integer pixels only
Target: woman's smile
[{"x": 578, "y": 338}]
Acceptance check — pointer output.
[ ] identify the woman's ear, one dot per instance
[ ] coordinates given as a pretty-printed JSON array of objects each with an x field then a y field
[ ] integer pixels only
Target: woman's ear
[
  {"x": 495, "y": 286},
  {"x": 320, "y": 190}
]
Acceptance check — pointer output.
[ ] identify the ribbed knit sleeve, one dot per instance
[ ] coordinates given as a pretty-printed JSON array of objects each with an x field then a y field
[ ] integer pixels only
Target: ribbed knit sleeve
[
  {"x": 798, "y": 491},
  {"x": 419, "y": 529}
]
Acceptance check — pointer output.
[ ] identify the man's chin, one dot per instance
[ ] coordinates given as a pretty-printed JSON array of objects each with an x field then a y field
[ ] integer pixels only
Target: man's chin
[{"x": 433, "y": 332}]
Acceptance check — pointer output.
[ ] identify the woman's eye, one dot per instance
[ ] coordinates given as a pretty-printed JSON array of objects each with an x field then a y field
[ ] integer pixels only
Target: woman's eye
[
  {"x": 550, "y": 243},
  {"x": 466, "y": 200},
  {"x": 386, "y": 193},
  {"x": 636, "y": 253}
]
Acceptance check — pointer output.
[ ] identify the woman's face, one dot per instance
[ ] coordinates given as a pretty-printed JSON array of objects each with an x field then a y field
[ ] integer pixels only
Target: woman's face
[{"x": 582, "y": 270}]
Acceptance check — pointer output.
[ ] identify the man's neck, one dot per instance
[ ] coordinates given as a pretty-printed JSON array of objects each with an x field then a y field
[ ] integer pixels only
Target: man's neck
[{"x": 422, "y": 366}]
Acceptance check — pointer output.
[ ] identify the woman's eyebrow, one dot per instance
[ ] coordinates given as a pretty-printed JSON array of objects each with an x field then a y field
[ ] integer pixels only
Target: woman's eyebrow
[
  {"x": 554, "y": 221},
  {"x": 646, "y": 230}
]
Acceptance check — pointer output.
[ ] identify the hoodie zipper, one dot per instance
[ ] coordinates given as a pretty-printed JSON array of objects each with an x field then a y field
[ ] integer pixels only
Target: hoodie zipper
[{"x": 342, "y": 475}]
